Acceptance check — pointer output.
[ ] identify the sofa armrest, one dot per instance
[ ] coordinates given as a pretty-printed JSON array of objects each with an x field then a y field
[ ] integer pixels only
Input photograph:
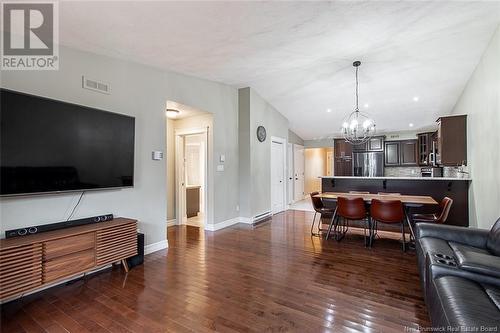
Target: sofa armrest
[
  {"x": 478, "y": 262},
  {"x": 469, "y": 236}
]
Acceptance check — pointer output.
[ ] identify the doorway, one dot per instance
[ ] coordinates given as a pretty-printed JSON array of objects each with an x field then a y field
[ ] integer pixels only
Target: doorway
[
  {"x": 191, "y": 176},
  {"x": 278, "y": 172}
]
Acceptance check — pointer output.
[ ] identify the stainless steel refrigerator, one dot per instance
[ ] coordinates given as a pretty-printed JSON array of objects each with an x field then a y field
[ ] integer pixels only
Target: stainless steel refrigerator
[{"x": 370, "y": 164}]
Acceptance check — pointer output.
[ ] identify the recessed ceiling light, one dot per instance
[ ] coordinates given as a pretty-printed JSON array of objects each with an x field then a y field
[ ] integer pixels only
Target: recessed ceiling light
[
  {"x": 328, "y": 110},
  {"x": 172, "y": 113},
  {"x": 410, "y": 124},
  {"x": 415, "y": 98},
  {"x": 367, "y": 105}
]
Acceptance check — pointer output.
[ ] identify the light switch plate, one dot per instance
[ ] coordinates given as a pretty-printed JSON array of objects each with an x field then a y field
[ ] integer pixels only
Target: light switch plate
[
  {"x": 222, "y": 158},
  {"x": 220, "y": 167}
]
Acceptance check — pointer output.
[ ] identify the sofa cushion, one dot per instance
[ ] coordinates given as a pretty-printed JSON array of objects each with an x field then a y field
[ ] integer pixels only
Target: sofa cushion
[
  {"x": 467, "y": 304},
  {"x": 493, "y": 241}
]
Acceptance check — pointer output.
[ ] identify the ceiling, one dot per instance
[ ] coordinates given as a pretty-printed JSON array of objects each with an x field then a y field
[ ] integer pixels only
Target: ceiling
[{"x": 298, "y": 55}]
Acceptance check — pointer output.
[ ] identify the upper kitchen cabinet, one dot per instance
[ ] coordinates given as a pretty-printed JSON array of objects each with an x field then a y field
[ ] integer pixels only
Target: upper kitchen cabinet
[
  {"x": 408, "y": 150},
  {"x": 401, "y": 153},
  {"x": 392, "y": 153},
  {"x": 452, "y": 140},
  {"x": 425, "y": 148},
  {"x": 376, "y": 143}
]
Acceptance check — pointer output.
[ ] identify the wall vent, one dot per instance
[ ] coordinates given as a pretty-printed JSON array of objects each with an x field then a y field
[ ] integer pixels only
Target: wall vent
[{"x": 94, "y": 85}]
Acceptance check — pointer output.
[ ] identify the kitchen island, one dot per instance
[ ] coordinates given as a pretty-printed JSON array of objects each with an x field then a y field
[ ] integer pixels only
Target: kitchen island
[{"x": 436, "y": 187}]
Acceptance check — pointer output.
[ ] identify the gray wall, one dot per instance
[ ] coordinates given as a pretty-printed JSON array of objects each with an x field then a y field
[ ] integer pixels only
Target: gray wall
[
  {"x": 480, "y": 100},
  {"x": 294, "y": 138},
  {"x": 255, "y": 180},
  {"x": 142, "y": 92}
]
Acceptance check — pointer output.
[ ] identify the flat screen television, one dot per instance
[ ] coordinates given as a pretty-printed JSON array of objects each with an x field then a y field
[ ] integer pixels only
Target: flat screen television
[{"x": 53, "y": 146}]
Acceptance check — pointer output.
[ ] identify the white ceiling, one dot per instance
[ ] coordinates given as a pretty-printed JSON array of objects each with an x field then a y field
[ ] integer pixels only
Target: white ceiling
[{"x": 298, "y": 55}]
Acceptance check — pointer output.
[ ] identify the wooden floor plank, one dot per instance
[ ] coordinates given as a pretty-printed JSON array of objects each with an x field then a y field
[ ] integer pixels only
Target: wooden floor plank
[{"x": 272, "y": 277}]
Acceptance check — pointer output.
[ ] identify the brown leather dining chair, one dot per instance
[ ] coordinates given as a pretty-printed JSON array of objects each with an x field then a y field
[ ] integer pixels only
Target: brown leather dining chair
[
  {"x": 440, "y": 217},
  {"x": 389, "y": 212},
  {"x": 320, "y": 208},
  {"x": 348, "y": 209}
]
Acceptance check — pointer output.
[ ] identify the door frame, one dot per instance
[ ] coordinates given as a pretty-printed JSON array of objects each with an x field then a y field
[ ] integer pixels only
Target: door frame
[
  {"x": 283, "y": 142},
  {"x": 297, "y": 174},
  {"x": 180, "y": 196},
  {"x": 290, "y": 192}
]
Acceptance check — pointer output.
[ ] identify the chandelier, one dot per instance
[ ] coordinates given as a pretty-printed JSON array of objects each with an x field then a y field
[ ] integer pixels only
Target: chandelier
[{"x": 358, "y": 127}]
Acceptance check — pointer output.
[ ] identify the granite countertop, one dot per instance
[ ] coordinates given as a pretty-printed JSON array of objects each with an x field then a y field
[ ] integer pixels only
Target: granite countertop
[{"x": 400, "y": 178}]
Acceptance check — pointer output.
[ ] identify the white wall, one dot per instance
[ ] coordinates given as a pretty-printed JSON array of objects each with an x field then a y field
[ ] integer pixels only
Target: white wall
[
  {"x": 255, "y": 185},
  {"x": 140, "y": 91},
  {"x": 480, "y": 100}
]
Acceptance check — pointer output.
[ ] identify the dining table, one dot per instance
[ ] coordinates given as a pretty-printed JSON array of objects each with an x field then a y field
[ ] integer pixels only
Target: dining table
[{"x": 408, "y": 201}]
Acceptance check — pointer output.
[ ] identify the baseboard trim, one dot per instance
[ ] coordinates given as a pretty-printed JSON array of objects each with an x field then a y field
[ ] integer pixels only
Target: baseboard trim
[
  {"x": 171, "y": 222},
  {"x": 222, "y": 225},
  {"x": 155, "y": 247}
]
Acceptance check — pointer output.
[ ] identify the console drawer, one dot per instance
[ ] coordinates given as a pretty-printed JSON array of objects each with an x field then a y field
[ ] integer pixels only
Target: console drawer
[
  {"x": 64, "y": 246},
  {"x": 68, "y": 265}
]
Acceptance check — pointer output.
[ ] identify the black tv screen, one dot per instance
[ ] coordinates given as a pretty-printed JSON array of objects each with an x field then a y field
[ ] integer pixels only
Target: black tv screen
[{"x": 52, "y": 146}]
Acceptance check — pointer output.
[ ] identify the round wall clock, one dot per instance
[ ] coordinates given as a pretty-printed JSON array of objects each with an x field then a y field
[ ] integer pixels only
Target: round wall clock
[{"x": 261, "y": 133}]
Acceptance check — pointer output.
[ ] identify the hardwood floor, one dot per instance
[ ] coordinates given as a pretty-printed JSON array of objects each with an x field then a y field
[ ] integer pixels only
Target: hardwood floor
[{"x": 273, "y": 277}]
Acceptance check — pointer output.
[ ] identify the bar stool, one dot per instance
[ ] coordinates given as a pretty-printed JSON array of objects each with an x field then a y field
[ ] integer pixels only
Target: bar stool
[
  {"x": 348, "y": 209},
  {"x": 320, "y": 208},
  {"x": 389, "y": 212}
]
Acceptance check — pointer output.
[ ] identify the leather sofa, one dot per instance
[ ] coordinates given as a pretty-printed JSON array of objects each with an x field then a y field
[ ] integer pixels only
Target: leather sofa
[{"x": 460, "y": 274}]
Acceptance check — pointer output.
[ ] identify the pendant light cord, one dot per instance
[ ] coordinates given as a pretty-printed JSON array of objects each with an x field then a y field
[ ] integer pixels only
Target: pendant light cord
[{"x": 357, "y": 107}]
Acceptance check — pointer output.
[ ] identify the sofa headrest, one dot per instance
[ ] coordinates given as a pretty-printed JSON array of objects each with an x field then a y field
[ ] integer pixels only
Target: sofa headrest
[{"x": 493, "y": 241}]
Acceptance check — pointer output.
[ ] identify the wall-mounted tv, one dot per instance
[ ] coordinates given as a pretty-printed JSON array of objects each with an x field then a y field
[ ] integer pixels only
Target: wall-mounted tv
[{"x": 53, "y": 146}]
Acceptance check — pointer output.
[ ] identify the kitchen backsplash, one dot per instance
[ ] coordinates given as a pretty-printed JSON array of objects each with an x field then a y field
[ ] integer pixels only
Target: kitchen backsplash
[
  {"x": 451, "y": 172},
  {"x": 402, "y": 172}
]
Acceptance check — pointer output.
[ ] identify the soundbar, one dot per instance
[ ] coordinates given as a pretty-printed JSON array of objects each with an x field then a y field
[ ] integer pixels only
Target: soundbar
[{"x": 55, "y": 226}]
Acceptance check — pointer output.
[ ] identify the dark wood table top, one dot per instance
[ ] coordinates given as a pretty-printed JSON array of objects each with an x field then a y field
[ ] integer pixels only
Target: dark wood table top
[{"x": 405, "y": 199}]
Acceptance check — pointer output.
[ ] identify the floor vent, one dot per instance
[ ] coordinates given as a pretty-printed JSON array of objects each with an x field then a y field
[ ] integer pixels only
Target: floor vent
[
  {"x": 94, "y": 85},
  {"x": 261, "y": 217}
]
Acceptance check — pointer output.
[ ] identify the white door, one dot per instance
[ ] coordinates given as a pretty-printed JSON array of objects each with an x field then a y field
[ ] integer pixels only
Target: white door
[
  {"x": 277, "y": 177},
  {"x": 298, "y": 164},
  {"x": 289, "y": 174}
]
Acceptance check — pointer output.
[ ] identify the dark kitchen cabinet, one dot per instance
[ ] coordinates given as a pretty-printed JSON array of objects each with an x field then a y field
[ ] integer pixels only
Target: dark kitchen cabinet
[
  {"x": 342, "y": 148},
  {"x": 376, "y": 143},
  {"x": 401, "y": 153},
  {"x": 343, "y": 158},
  {"x": 452, "y": 140},
  {"x": 392, "y": 153},
  {"x": 343, "y": 167},
  {"x": 425, "y": 141},
  {"x": 408, "y": 149}
]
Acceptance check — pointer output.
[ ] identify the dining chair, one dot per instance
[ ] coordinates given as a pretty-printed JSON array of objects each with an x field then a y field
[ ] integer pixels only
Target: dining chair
[
  {"x": 440, "y": 217},
  {"x": 389, "y": 212},
  {"x": 349, "y": 209},
  {"x": 320, "y": 208}
]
